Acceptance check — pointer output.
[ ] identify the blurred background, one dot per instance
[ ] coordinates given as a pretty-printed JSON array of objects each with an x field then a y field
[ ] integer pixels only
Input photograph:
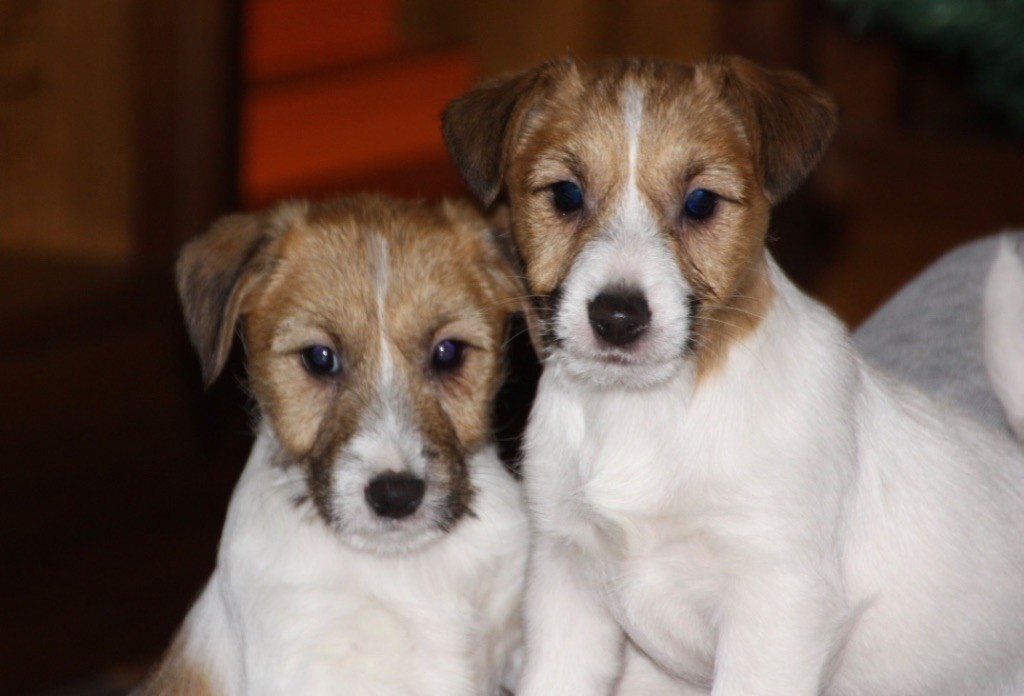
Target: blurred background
[{"x": 126, "y": 126}]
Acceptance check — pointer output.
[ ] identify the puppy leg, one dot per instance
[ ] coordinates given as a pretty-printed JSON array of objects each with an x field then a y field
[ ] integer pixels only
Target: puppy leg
[
  {"x": 777, "y": 637},
  {"x": 1004, "y": 331},
  {"x": 573, "y": 646}
]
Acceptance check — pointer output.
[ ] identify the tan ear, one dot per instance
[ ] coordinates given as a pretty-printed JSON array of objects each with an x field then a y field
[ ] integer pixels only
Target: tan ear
[
  {"x": 481, "y": 127},
  {"x": 789, "y": 121},
  {"x": 214, "y": 273}
]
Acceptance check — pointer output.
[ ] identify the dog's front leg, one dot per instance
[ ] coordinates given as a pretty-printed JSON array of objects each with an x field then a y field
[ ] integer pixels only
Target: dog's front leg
[
  {"x": 573, "y": 645},
  {"x": 777, "y": 636}
]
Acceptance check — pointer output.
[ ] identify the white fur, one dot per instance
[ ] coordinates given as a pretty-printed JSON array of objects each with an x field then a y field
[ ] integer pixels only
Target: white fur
[
  {"x": 291, "y": 609},
  {"x": 381, "y": 277},
  {"x": 794, "y": 523},
  {"x": 1004, "y": 332}
]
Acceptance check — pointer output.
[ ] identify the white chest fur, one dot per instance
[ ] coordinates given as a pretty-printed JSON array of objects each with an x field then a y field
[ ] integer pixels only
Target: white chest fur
[
  {"x": 291, "y": 610},
  {"x": 667, "y": 493}
]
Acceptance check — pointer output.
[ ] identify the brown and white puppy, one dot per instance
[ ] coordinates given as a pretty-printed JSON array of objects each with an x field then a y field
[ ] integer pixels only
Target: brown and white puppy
[
  {"x": 714, "y": 475},
  {"x": 374, "y": 544}
]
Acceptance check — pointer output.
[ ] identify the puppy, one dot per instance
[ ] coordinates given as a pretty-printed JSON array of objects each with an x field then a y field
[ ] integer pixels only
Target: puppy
[
  {"x": 712, "y": 470},
  {"x": 374, "y": 544}
]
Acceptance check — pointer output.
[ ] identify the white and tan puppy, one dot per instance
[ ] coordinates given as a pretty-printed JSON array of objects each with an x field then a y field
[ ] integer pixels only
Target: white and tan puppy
[
  {"x": 712, "y": 470},
  {"x": 374, "y": 544}
]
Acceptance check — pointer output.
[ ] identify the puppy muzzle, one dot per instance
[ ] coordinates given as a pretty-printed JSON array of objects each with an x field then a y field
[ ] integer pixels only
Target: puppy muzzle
[{"x": 619, "y": 317}]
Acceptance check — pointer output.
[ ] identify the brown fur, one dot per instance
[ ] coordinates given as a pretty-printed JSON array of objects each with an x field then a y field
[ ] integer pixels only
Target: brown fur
[
  {"x": 749, "y": 134},
  {"x": 304, "y": 274}
]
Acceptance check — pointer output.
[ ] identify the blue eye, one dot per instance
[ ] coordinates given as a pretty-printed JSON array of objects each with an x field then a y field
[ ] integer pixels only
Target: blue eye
[
  {"x": 448, "y": 355},
  {"x": 566, "y": 196},
  {"x": 319, "y": 360},
  {"x": 700, "y": 204}
]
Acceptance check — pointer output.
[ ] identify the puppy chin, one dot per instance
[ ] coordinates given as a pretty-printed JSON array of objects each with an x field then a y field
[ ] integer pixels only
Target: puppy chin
[
  {"x": 383, "y": 537},
  {"x": 616, "y": 371},
  {"x": 659, "y": 357}
]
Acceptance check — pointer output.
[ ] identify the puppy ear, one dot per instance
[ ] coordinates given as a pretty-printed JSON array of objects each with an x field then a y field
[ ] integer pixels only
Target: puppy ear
[
  {"x": 214, "y": 273},
  {"x": 789, "y": 121},
  {"x": 481, "y": 127}
]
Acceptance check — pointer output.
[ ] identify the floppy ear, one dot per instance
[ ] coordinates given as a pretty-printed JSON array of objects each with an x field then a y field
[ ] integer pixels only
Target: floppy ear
[
  {"x": 789, "y": 121},
  {"x": 214, "y": 274},
  {"x": 481, "y": 127}
]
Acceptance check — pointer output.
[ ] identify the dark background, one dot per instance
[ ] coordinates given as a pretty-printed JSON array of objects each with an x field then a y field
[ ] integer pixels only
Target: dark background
[{"x": 126, "y": 126}]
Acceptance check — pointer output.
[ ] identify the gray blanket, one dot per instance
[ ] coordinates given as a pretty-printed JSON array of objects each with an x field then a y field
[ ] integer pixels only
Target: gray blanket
[{"x": 929, "y": 333}]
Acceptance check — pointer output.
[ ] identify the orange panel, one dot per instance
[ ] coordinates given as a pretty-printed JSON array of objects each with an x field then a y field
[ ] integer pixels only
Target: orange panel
[
  {"x": 295, "y": 136},
  {"x": 288, "y": 37}
]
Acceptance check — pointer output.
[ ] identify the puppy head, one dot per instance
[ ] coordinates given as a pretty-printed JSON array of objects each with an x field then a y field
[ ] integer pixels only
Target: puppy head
[
  {"x": 639, "y": 195},
  {"x": 373, "y": 330}
]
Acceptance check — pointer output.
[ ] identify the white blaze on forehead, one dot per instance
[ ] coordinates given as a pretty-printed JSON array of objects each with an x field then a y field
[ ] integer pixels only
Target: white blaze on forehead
[
  {"x": 633, "y": 113},
  {"x": 633, "y": 219},
  {"x": 379, "y": 261},
  {"x": 387, "y": 438}
]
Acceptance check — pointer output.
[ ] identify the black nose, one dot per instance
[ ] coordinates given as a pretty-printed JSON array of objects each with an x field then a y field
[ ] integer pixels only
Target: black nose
[
  {"x": 619, "y": 317},
  {"x": 395, "y": 495}
]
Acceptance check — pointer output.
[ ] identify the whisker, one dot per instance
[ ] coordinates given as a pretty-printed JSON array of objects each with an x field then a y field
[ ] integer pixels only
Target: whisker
[
  {"x": 508, "y": 341},
  {"x": 511, "y": 301},
  {"x": 741, "y": 310}
]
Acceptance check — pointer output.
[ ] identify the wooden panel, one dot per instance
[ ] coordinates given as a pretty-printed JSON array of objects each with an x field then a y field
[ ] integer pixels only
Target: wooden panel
[
  {"x": 870, "y": 103},
  {"x": 770, "y": 32},
  {"x": 290, "y": 37},
  {"x": 510, "y": 36},
  {"x": 113, "y": 121},
  {"x": 905, "y": 201},
  {"x": 112, "y": 125},
  {"x": 335, "y": 127},
  {"x": 686, "y": 31},
  {"x": 65, "y": 128}
]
